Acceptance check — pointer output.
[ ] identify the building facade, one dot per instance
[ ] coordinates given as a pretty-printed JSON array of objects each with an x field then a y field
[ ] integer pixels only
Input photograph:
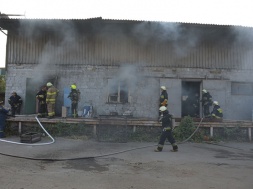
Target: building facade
[{"x": 120, "y": 65}]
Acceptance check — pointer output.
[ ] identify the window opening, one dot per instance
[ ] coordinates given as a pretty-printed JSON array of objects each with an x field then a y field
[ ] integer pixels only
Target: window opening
[
  {"x": 239, "y": 88},
  {"x": 118, "y": 91}
]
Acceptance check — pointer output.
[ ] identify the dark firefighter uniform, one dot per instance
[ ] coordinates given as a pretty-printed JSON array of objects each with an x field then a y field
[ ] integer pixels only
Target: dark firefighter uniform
[
  {"x": 163, "y": 101},
  {"x": 206, "y": 102},
  {"x": 217, "y": 111},
  {"x": 42, "y": 105},
  {"x": 3, "y": 115},
  {"x": 15, "y": 101},
  {"x": 167, "y": 131},
  {"x": 52, "y": 93},
  {"x": 74, "y": 97},
  {"x": 193, "y": 105}
]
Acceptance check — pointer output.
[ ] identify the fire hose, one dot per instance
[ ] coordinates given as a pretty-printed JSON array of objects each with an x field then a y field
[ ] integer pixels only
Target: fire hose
[
  {"x": 36, "y": 144},
  {"x": 89, "y": 157}
]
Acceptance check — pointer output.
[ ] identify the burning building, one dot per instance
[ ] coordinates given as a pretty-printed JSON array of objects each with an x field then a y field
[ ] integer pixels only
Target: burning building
[{"x": 119, "y": 65}]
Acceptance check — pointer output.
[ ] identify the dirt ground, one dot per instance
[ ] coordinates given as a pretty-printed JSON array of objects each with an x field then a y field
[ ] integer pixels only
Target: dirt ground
[{"x": 125, "y": 166}]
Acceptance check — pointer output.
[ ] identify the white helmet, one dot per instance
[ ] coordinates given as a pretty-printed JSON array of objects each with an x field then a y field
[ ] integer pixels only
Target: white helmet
[
  {"x": 204, "y": 91},
  {"x": 162, "y": 108},
  {"x": 215, "y": 103},
  {"x": 49, "y": 84},
  {"x": 163, "y": 87}
]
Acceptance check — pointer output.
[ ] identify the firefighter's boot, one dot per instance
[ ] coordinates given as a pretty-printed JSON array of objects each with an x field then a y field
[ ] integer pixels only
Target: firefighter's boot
[
  {"x": 159, "y": 148},
  {"x": 175, "y": 148}
]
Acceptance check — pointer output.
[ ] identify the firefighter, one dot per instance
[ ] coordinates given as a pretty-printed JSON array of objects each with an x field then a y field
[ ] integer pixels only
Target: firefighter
[
  {"x": 193, "y": 104},
  {"x": 206, "y": 103},
  {"x": 52, "y": 93},
  {"x": 42, "y": 105},
  {"x": 217, "y": 111},
  {"x": 166, "y": 120},
  {"x": 163, "y": 98},
  {"x": 74, "y": 96},
  {"x": 15, "y": 101},
  {"x": 3, "y": 114}
]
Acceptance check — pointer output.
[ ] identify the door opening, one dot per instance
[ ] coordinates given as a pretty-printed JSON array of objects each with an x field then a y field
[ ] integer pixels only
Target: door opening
[
  {"x": 32, "y": 87},
  {"x": 190, "y": 98}
]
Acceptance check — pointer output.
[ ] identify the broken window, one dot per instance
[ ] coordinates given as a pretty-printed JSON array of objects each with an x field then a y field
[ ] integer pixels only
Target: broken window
[
  {"x": 238, "y": 88},
  {"x": 118, "y": 91}
]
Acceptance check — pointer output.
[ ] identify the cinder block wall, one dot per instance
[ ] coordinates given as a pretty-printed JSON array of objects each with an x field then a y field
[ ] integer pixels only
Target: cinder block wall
[{"x": 92, "y": 82}]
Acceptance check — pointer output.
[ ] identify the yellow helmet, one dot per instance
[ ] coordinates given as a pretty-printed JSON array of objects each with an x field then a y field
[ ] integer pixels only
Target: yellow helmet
[
  {"x": 162, "y": 108},
  {"x": 49, "y": 84},
  {"x": 73, "y": 86}
]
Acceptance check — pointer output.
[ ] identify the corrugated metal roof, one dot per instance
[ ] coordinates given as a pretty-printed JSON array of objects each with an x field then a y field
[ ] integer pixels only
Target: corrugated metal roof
[
  {"x": 5, "y": 22},
  {"x": 3, "y": 16},
  {"x": 113, "y": 42}
]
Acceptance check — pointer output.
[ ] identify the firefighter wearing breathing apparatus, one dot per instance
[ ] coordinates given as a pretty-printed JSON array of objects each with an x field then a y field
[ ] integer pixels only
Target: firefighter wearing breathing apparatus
[
  {"x": 217, "y": 111},
  {"x": 166, "y": 120},
  {"x": 74, "y": 96},
  {"x": 52, "y": 93}
]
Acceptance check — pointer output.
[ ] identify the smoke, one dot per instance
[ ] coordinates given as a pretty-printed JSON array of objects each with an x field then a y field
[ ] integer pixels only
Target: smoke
[
  {"x": 243, "y": 35},
  {"x": 146, "y": 31},
  {"x": 181, "y": 38},
  {"x": 244, "y": 43},
  {"x": 129, "y": 75},
  {"x": 58, "y": 39}
]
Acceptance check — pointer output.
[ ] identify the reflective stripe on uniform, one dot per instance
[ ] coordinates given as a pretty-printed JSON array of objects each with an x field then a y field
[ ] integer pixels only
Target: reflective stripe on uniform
[
  {"x": 51, "y": 113},
  {"x": 50, "y": 100},
  {"x": 160, "y": 145},
  {"x": 174, "y": 144},
  {"x": 51, "y": 93}
]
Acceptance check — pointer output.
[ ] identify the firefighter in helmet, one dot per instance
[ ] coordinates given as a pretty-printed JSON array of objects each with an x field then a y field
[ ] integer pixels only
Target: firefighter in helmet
[
  {"x": 217, "y": 111},
  {"x": 167, "y": 131},
  {"x": 163, "y": 98},
  {"x": 74, "y": 96},
  {"x": 206, "y": 102},
  {"x": 42, "y": 105},
  {"x": 52, "y": 93},
  {"x": 15, "y": 101}
]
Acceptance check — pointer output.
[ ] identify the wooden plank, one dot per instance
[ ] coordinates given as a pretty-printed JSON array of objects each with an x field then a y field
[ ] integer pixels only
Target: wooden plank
[{"x": 128, "y": 121}]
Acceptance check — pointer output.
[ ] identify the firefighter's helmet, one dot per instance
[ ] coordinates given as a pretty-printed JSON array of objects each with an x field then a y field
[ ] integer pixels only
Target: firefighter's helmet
[
  {"x": 49, "y": 84},
  {"x": 73, "y": 86},
  {"x": 204, "y": 91},
  {"x": 162, "y": 108},
  {"x": 215, "y": 103},
  {"x": 163, "y": 87}
]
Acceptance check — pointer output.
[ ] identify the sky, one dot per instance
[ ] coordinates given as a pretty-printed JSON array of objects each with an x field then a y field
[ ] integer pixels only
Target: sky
[{"x": 221, "y": 12}]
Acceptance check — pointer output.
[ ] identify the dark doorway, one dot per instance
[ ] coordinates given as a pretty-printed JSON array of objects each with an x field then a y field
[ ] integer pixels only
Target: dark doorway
[
  {"x": 190, "y": 98},
  {"x": 32, "y": 87}
]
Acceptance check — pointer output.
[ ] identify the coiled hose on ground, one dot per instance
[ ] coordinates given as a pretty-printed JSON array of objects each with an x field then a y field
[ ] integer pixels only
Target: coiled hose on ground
[{"x": 87, "y": 157}]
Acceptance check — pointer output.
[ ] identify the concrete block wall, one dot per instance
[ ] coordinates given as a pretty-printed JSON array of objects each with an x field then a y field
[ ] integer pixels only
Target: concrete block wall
[{"x": 145, "y": 83}]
